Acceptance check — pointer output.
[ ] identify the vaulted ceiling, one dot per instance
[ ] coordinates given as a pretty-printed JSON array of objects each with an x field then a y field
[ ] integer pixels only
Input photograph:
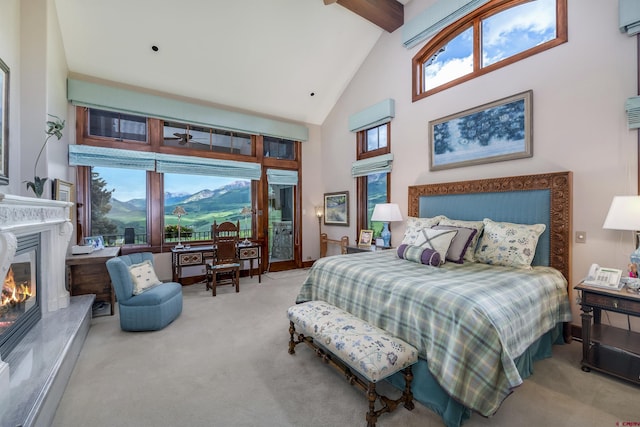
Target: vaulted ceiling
[{"x": 289, "y": 59}]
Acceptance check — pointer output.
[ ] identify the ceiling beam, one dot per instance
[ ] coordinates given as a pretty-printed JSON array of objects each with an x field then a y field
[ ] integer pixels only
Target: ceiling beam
[{"x": 387, "y": 14}]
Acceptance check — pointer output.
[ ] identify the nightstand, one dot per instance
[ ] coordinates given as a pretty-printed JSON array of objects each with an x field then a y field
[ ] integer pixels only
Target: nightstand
[
  {"x": 609, "y": 349},
  {"x": 353, "y": 249}
]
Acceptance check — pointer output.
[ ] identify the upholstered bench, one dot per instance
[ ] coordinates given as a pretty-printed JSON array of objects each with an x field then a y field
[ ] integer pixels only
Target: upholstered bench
[{"x": 348, "y": 343}]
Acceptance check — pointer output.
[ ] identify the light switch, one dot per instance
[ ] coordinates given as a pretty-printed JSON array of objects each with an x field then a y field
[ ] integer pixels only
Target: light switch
[{"x": 581, "y": 237}]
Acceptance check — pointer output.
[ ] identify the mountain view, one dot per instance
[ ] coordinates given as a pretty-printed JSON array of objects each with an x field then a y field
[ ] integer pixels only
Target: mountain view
[{"x": 221, "y": 204}]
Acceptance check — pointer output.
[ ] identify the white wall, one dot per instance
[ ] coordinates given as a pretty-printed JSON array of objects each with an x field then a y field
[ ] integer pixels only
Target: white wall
[{"x": 579, "y": 124}]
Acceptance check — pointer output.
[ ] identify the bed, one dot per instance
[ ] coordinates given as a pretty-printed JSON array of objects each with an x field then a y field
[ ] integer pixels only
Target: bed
[{"x": 478, "y": 327}]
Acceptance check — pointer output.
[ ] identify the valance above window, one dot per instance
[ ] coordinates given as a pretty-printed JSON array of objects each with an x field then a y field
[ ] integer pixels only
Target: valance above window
[
  {"x": 376, "y": 115},
  {"x": 633, "y": 112},
  {"x": 169, "y": 163},
  {"x": 87, "y": 155},
  {"x": 282, "y": 177},
  {"x": 378, "y": 164},
  {"x": 629, "y": 16},
  {"x": 103, "y": 97},
  {"x": 435, "y": 18}
]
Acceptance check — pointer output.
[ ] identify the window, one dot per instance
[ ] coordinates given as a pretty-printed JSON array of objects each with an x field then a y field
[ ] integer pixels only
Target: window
[
  {"x": 118, "y": 126},
  {"x": 205, "y": 199},
  {"x": 372, "y": 187},
  {"x": 493, "y": 36},
  {"x": 119, "y": 205},
  {"x": 205, "y": 139},
  {"x": 279, "y": 148}
]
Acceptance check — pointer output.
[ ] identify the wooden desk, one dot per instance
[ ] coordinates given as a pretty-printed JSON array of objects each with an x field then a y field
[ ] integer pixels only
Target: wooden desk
[
  {"x": 605, "y": 348},
  {"x": 198, "y": 255},
  {"x": 87, "y": 274}
]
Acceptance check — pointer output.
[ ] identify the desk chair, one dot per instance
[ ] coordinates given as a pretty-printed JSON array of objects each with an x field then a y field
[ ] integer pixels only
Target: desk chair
[{"x": 224, "y": 268}]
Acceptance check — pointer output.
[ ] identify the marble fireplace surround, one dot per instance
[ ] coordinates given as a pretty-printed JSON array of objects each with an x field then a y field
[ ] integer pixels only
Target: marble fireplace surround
[{"x": 35, "y": 373}]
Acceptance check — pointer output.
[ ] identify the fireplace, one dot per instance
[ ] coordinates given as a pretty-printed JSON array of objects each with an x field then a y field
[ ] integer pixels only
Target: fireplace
[{"x": 19, "y": 300}]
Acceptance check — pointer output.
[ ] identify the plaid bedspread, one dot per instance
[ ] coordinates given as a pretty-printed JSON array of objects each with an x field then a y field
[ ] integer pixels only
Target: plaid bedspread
[{"x": 468, "y": 321}]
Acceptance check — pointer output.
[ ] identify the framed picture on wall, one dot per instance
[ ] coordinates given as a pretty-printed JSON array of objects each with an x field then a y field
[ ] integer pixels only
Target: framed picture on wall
[
  {"x": 4, "y": 123},
  {"x": 493, "y": 132},
  {"x": 336, "y": 208}
]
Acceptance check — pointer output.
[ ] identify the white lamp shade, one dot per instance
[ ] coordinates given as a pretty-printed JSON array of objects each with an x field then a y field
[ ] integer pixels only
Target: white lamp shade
[
  {"x": 386, "y": 212},
  {"x": 624, "y": 213}
]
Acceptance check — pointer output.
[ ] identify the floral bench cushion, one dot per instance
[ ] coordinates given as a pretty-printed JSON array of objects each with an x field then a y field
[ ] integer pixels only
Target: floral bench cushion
[{"x": 371, "y": 351}]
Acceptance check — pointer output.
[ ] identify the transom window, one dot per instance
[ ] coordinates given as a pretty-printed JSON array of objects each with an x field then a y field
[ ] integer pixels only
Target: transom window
[
  {"x": 205, "y": 139},
  {"x": 493, "y": 36},
  {"x": 117, "y": 126}
]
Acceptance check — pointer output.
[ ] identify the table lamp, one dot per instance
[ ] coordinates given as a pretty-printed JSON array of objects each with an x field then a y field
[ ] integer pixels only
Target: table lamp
[
  {"x": 246, "y": 211},
  {"x": 386, "y": 213},
  {"x": 179, "y": 211},
  {"x": 624, "y": 214}
]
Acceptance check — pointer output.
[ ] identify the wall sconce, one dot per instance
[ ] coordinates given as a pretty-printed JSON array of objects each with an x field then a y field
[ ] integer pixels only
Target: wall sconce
[{"x": 319, "y": 214}]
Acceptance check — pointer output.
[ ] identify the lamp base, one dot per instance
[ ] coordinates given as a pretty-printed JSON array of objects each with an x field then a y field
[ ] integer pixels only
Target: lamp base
[
  {"x": 386, "y": 234},
  {"x": 245, "y": 242},
  {"x": 179, "y": 246}
]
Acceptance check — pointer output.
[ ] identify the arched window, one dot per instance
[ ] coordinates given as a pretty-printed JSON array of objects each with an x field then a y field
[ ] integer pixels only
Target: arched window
[{"x": 495, "y": 35}]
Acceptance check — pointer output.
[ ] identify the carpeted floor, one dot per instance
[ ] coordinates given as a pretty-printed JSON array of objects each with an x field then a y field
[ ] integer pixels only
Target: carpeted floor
[{"x": 224, "y": 362}]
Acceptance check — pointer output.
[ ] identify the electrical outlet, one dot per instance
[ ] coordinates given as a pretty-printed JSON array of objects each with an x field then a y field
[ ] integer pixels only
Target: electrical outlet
[{"x": 581, "y": 237}]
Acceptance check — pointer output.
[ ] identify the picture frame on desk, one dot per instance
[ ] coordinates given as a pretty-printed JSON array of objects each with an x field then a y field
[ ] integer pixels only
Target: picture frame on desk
[{"x": 96, "y": 241}]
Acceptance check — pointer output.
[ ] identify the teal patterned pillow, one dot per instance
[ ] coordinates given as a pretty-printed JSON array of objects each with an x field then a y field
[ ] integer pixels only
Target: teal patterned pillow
[{"x": 508, "y": 244}]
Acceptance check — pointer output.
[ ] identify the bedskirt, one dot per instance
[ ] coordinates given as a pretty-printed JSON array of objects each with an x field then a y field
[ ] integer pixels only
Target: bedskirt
[{"x": 429, "y": 393}]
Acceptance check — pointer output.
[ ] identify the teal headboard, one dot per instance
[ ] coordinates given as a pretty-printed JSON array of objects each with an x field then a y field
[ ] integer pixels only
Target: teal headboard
[{"x": 531, "y": 199}]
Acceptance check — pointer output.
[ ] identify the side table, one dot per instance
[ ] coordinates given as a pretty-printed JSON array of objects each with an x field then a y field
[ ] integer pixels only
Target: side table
[
  {"x": 87, "y": 274},
  {"x": 605, "y": 348},
  {"x": 353, "y": 249}
]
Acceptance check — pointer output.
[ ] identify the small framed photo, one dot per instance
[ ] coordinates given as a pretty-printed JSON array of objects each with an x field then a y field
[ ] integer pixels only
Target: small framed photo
[
  {"x": 96, "y": 241},
  {"x": 366, "y": 238}
]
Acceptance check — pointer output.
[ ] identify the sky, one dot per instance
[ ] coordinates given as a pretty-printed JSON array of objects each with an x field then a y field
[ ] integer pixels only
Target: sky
[{"x": 131, "y": 184}]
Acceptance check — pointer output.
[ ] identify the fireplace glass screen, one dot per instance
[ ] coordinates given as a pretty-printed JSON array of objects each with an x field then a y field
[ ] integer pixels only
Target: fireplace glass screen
[{"x": 19, "y": 308}]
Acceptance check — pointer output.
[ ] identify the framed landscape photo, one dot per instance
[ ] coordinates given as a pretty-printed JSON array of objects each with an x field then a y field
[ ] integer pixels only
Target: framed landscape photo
[
  {"x": 4, "y": 123},
  {"x": 493, "y": 132},
  {"x": 336, "y": 208}
]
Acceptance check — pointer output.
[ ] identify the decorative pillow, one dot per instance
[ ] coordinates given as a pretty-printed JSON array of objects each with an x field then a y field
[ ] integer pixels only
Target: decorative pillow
[
  {"x": 469, "y": 255},
  {"x": 414, "y": 225},
  {"x": 438, "y": 240},
  {"x": 460, "y": 243},
  {"x": 509, "y": 244},
  {"x": 143, "y": 277},
  {"x": 419, "y": 254}
]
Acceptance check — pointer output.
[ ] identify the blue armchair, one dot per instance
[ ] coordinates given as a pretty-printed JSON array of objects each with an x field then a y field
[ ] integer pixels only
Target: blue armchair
[{"x": 150, "y": 310}]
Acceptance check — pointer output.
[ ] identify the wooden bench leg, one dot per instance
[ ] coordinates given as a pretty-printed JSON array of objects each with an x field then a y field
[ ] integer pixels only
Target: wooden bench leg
[
  {"x": 407, "y": 395},
  {"x": 292, "y": 342},
  {"x": 372, "y": 396}
]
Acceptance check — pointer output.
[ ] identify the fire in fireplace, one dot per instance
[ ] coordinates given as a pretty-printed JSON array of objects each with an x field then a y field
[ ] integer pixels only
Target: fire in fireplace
[{"x": 19, "y": 303}]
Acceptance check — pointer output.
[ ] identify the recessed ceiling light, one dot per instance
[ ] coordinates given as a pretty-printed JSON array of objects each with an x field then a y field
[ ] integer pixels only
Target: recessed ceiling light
[
  {"x": 155, "y": 48},
  {"x": 312, "y": 94}
]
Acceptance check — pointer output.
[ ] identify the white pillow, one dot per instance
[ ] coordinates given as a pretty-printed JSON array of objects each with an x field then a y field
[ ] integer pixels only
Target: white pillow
[
  {"x": 509, "y": 244},
  {"x": 143, "y": 276},
  {"x": 438, "y": 240},
  {"x": 414, "y": 225},
  {"x": 469, "y": 255}
]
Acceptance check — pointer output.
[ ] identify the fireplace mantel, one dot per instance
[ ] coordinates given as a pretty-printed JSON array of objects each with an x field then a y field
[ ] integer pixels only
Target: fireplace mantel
[{"x": 50, "y": 218}]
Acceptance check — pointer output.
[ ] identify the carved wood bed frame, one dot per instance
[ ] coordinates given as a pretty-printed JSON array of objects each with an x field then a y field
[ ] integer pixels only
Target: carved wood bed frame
[{"x": 558, "y": 184}]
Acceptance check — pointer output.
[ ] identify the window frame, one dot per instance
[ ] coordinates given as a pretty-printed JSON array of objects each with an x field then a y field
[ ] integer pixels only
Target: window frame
[
  {"x": 155, "y": 184},
  {"x": 474, "y": 19},
  {"x": 362, "y": 220}
]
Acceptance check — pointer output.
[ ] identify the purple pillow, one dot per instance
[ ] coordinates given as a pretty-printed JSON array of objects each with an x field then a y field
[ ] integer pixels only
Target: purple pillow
[
  {"x": 460, "y": 242},
  {"x": 420, "y": 254}
]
